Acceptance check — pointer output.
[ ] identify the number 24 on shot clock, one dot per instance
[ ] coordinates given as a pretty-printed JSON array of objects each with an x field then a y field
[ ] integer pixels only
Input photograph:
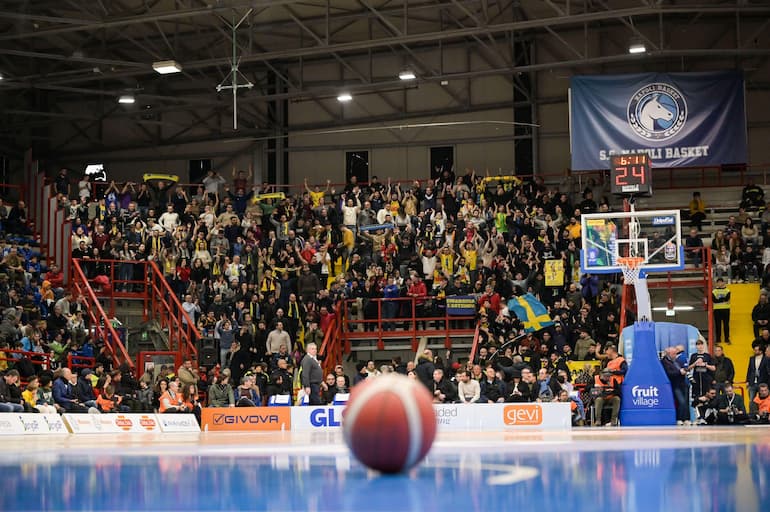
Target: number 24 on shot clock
[{"x": 631, "y": 174}]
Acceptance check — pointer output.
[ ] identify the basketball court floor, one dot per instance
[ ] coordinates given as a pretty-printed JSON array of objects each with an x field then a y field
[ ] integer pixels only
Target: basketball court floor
[{"x": 645, "y": 469}]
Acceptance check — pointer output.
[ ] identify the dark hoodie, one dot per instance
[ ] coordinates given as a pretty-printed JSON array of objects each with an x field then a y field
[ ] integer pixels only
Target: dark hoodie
[
  {"x": 424, "y": 371},
  {"x": 84, "y": 390}
]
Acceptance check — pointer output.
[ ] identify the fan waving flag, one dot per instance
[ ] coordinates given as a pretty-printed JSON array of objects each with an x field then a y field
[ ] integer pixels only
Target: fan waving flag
[{"x": 532, "y": 313}]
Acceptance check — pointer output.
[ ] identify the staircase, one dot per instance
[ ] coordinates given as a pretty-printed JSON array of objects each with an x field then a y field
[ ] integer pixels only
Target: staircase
[{"x": 155, "y": 322}]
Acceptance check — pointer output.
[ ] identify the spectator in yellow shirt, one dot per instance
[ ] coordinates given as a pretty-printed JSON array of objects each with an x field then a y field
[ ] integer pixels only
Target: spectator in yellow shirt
[{"x": 317, "y": 195}]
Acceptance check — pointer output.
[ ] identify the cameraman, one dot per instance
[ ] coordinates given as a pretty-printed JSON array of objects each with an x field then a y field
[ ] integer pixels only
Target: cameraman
[
  {"x": 730, "y": 408},
  {"x": 706, "y": 407}
]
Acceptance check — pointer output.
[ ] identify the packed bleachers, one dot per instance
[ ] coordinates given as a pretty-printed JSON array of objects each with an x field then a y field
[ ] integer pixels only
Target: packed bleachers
[{"x": 262, "y": 272}]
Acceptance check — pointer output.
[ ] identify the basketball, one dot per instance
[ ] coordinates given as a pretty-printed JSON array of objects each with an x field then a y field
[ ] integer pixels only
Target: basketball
[{"x": 389, "y": 423}]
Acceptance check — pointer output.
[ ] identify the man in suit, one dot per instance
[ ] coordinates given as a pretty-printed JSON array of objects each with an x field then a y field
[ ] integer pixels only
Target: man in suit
[{"x": 757, "y": 369}]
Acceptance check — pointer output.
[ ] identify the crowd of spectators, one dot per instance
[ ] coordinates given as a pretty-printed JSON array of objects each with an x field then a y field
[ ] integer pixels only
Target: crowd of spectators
[{"x": 262, "y": 273}]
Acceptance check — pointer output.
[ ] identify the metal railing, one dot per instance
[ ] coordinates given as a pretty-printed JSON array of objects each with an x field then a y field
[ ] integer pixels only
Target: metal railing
[
  {"x": 160, "y": 302},
  {"x": 168, "y": 311},
  {"x": 475, "y": 346},
  {"x": 331, "y": 348},
  {"x": 41, "y": 359},
  {"x": 403, "y": 317},
  {"x": 100, "y": 324}
]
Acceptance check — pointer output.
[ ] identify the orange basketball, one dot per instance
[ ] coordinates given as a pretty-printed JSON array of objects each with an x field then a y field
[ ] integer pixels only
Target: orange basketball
[{"x": 389, "y": 423}]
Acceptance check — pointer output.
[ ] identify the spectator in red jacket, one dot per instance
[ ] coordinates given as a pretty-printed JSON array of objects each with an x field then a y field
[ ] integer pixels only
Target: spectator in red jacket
[
  {"x": 493, "y": 298},
  {"x": 418, "y": 291}
]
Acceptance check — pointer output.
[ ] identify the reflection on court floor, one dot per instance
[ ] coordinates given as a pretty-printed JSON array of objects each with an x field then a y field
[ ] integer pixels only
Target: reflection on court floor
[{"x": 631, "y": 470}]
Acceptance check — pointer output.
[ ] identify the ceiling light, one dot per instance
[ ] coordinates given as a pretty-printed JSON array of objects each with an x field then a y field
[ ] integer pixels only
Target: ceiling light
[
  {"x": 637, "y": 48},
  {"x": 344, "y": 97},
  {"x": 128, "y": 99},
  {"x": 407, "y": 74},
  {"x": 166, "y": 67},
  {"x": 445, "y": 82},
  {"x": 675, "y": 308},
  {"x": 1, "y": 76}
]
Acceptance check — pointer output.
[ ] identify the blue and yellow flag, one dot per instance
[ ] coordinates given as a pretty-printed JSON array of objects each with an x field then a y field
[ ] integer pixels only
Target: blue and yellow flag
[{"x": 532, "y": 313}]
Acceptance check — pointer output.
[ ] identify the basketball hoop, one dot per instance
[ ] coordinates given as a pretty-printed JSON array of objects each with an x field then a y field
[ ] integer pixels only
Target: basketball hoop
[{"x": 630, "y": 265}]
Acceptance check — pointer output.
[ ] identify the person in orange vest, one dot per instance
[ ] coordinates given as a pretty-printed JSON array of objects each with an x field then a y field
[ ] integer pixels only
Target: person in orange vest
[
  {"x": 172, "y": 400},
  {"x": 108, "y": 401},
  {"x": 762, "y": 403},
  {"x": 577, "y": 419},
  {"x": 616, "y": 364},
  {"x": 605, "y": 391}
]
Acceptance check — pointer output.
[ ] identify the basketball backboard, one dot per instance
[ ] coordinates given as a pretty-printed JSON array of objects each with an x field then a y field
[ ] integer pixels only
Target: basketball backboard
[{"x": 654, "y": 235}]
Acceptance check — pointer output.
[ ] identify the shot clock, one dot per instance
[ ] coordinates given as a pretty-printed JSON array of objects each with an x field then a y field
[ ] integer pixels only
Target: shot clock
[{"x": 631, "y": 174}]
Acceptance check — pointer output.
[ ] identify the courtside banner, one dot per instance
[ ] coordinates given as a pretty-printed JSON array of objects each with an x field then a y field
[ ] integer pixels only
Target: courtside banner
[
  {"x": 506, "y": 416},
  {"x": 27, "y": 424},
  {"x": 679, "y": 119},
  {"x": 112, "y": 423},
  {"x": 457, "y": 417},
  {"x": 313, "y": 418},
  {"x": 35, "y": 424},
  {"x": 178, "y": 423},
  {"x": 10, "y": 425},
  {"x": 245, "y": 419}
]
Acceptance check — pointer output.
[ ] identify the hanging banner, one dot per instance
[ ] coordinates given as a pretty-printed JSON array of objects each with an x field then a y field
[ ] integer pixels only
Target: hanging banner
[
  {"x": 554, "y": 272},
  {"x": 678, "y": 119},
  {"x": 461, "y": 305}
]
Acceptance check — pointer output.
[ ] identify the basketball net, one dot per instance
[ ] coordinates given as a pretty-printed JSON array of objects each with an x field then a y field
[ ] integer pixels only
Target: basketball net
[{"x": 631, "y": 266}]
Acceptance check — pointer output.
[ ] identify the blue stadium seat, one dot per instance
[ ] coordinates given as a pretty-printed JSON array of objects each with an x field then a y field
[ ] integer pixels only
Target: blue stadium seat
[
  {"x": 279, "y": 401},
  {"x": 341, "y": 399}
]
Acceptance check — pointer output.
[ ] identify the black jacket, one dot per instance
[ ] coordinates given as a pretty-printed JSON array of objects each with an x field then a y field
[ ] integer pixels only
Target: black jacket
[
  {"x": 758, "y": 372},
  {"x": 671, "y": 367},
  {"x": 7, "y": 394},
  {"x": 446, "y": 388},
  {"x": 492, "y": 390},
  {"x": 521, "y": 392},
  {"x": 424, "y": 372},
  {"x": 725, "y": 371}
]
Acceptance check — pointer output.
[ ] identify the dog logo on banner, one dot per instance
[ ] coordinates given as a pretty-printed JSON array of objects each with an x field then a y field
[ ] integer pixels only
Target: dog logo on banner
[{"x": 657, "y": 112}]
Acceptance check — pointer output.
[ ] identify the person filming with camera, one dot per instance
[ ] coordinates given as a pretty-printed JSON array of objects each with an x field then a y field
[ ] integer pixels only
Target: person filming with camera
[{"x": 730, "y": 407}]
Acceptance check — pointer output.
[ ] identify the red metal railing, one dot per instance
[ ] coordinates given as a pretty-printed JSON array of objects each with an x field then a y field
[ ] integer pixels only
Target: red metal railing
[
  {"x": 699, "y": 275},
  {"x": 100, "y": 324},
  {"x": 166, "y": 308},
  {"x": 143, "y": 358},
  {"x": 711, "y": 176},
  {"x": 331, "y": 348},
  {"x": 120, "y": 288},
  {"x": 434, "y": 323},
  {"x": 41, "y": 359},
  {"x": 475, "y": 346},
  {"x": 159, "y": 300}
]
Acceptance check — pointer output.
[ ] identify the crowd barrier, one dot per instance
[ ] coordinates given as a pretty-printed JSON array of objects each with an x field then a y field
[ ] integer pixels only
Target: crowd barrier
[
  {"x": 36, "y": 424},
  {"x": 450, "y": 417},
  {"x": 25, "y": 424}
]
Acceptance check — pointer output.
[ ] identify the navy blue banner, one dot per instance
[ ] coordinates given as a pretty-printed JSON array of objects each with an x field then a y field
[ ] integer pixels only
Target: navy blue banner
[
  {"x": 679, "y": 119},
  {"x": 461, "y": 305}
]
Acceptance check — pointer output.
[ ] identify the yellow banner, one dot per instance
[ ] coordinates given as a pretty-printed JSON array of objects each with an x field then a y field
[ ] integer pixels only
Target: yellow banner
[
  {"x": 273, "y": 195},
  {"x": 575, "y": 367},
  {"x": 554, "y": 272},
  {"x": 159, "y": 176}
]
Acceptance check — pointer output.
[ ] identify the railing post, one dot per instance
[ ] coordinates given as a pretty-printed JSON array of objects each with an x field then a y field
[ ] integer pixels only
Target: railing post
[
  {"x": 448, "y": 338},
  {"x": 414, "y": 324},
  {"x": 380, "y": 342}
]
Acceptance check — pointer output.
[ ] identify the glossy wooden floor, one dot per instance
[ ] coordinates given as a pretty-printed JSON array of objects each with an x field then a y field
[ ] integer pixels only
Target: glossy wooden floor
[{"x": 623, "y": 469}]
